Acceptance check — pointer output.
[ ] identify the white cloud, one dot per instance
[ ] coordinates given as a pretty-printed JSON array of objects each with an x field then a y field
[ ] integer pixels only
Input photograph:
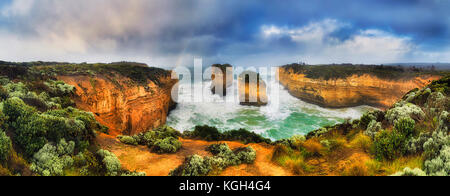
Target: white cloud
[{"x": 317, "y": 44}]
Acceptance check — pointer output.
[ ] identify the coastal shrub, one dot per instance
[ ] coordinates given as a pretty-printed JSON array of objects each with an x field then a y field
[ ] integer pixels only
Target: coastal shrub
[
  {"x": 207, "y": 133},
  {"x": 373, "y": 128},
  {"x": 410, "y": 172},
  {"x": 5, "y": 146},
  {"x": 245, "y": 155},
  {"x": 244, "y": 136},
  {"x": 415, "y": 144},
  {"x": 59, "y": 88},
  {"x": 167, "y": 145},
  {"x": 440, "y": 165},
  {"x": 294, "y": 142},
  {"x": 51, "y": 161},
  {"x": 389, "y": 145},
  {"x": 161, "y": 140},
  {"x": 405, "y": 126},
  {"x": 132, "y": 174},
  {"x": 110, "y": 162},
  {"x": 3, "y": 94},
  {"x": 128, "y": 140},
  {"x": 404, "y": 111},
  {"x": 370, "y": 116},
  {"x": 194, "y": 165},
  {"x": 439, "y": 138},
  {"x": 222, "y": 157},
  {"x": 213, "y": 134}
]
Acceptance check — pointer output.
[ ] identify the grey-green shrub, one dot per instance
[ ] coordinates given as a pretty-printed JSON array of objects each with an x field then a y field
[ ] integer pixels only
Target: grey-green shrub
[
  {"x": 440, "y": 165},
  {"x": 110, "y": 161},
  {"x": 405, "y": 126},
  {"x": 410, "y": 172},
  {"x": 222, "y": 158},
  {"x": 373, "y": 128},
  {"x": 5, "y": 146},
  {"x": 48, "y": 162},
  {"x": 415, "y": 144},
  {"x": 194, "y": 165},
  {"x": 128, "y": 140},
  {"x": 246, "y": 155},
  {"x": 161, "y": 140},
  {"x": 404, "y": 110},
  {"x": 167, "y": 145}
]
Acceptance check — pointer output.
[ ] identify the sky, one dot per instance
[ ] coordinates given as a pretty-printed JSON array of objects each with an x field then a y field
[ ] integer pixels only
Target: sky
[{"x": 167, "y": 33}]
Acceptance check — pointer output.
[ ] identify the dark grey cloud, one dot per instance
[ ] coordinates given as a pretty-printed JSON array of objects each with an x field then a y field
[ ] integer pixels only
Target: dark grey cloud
[{"x": 173, "y": 32}]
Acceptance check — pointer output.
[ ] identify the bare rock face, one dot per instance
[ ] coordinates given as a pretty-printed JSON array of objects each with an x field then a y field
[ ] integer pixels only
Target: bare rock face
[
  {"x": 252, "y": 89},
  {"x": 123, "y": 106},
  {"x": 222, "y": 78},
  {"x": 350, "y": 91}
]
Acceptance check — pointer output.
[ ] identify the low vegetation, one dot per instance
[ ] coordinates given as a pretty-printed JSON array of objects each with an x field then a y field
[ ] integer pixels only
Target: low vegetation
[
  {"x": 213, "y": 134},
  {"x": 41, "y": 132},
  {"x": 409, "y": 139},
  {"x": 222, "y": 158},
  {"x": 161, "y": 140},
  {"x": 335, "y": 71}
]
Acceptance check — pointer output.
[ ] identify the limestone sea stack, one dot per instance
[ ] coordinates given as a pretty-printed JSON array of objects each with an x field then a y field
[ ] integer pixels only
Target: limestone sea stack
[
  {"x": 222, "y": 78},
  {"x": 252, "y": 89}
]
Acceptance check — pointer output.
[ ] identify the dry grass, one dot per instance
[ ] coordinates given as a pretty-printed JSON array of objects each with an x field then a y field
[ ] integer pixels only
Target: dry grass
[
  {"x": 357, "y": 169},
  {"x": 313, "y": 146},
  {"x": 362, "y": 141},
  {"x": 289, "y": 158},
  {"x": 402, "y": 162}
]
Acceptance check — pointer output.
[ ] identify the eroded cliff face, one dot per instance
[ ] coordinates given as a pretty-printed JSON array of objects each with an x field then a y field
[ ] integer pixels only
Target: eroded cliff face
[
  {"x": 121, "y": 105},
  {"x": 351, "y": 91}
]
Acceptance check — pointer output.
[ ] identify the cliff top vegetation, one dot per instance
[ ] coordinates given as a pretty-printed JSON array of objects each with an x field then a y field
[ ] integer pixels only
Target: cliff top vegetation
[
  {"x": 339, "y": 71},
  {"x": 137, "y": 72}
]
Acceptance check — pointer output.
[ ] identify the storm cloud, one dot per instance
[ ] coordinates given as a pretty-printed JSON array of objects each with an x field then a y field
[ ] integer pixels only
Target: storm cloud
[{"x": 246, "y": 33}]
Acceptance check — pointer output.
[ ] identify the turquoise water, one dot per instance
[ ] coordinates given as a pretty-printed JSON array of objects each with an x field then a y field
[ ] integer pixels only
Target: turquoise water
[{"x": 289, "y": 117}]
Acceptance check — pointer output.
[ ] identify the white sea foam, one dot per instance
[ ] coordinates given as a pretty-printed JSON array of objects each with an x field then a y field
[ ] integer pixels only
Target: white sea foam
[{"x": 214, "y": 111}]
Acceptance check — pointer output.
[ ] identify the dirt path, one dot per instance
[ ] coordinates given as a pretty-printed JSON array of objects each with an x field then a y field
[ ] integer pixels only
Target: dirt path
[{"x": 139, "y": 158}]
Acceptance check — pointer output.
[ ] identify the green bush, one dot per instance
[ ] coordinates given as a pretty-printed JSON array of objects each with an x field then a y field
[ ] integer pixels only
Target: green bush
[
  {"x": 194, "y": 165},
  {"x": 110, "y": 162},
  {"x": 370, "y": 116},
  {"x": 161, "y": 140},
  {"x": 405, "y": 126},
  {"x": 389, "y": 145},
  {"x": 51, "y": 160},
  {"x": 5, "y": 146},
  {"x": 440, "y": 165},
  {"x": 207, "y": 133},
  {"x": 373, "y": 128},
  {"x": 213, "y": 134},
  {"x": 222, "y": 157},
  {"x": 128, "y": 140},
  {"x": 244, "y": 136},
  {"x": 405, "y": 110},
  {"x": 167, "y": 145}
]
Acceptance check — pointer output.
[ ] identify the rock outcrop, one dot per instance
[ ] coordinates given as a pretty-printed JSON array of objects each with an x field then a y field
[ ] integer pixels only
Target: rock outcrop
[
  {"x": 222, "y": 78},
  {"x": 354, "y": 90},
  {"x": 252, "y": 89},
  {"x": 120, "y": 104}
]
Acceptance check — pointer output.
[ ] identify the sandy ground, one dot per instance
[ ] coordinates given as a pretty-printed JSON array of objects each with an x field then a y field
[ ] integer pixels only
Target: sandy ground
[{"x": 139, "y": 158}]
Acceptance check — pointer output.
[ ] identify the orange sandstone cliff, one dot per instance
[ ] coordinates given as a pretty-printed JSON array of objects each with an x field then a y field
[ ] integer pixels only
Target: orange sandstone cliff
[
  {"x": 121, "y": 105},
  {"x": 355, "y": 90}
]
